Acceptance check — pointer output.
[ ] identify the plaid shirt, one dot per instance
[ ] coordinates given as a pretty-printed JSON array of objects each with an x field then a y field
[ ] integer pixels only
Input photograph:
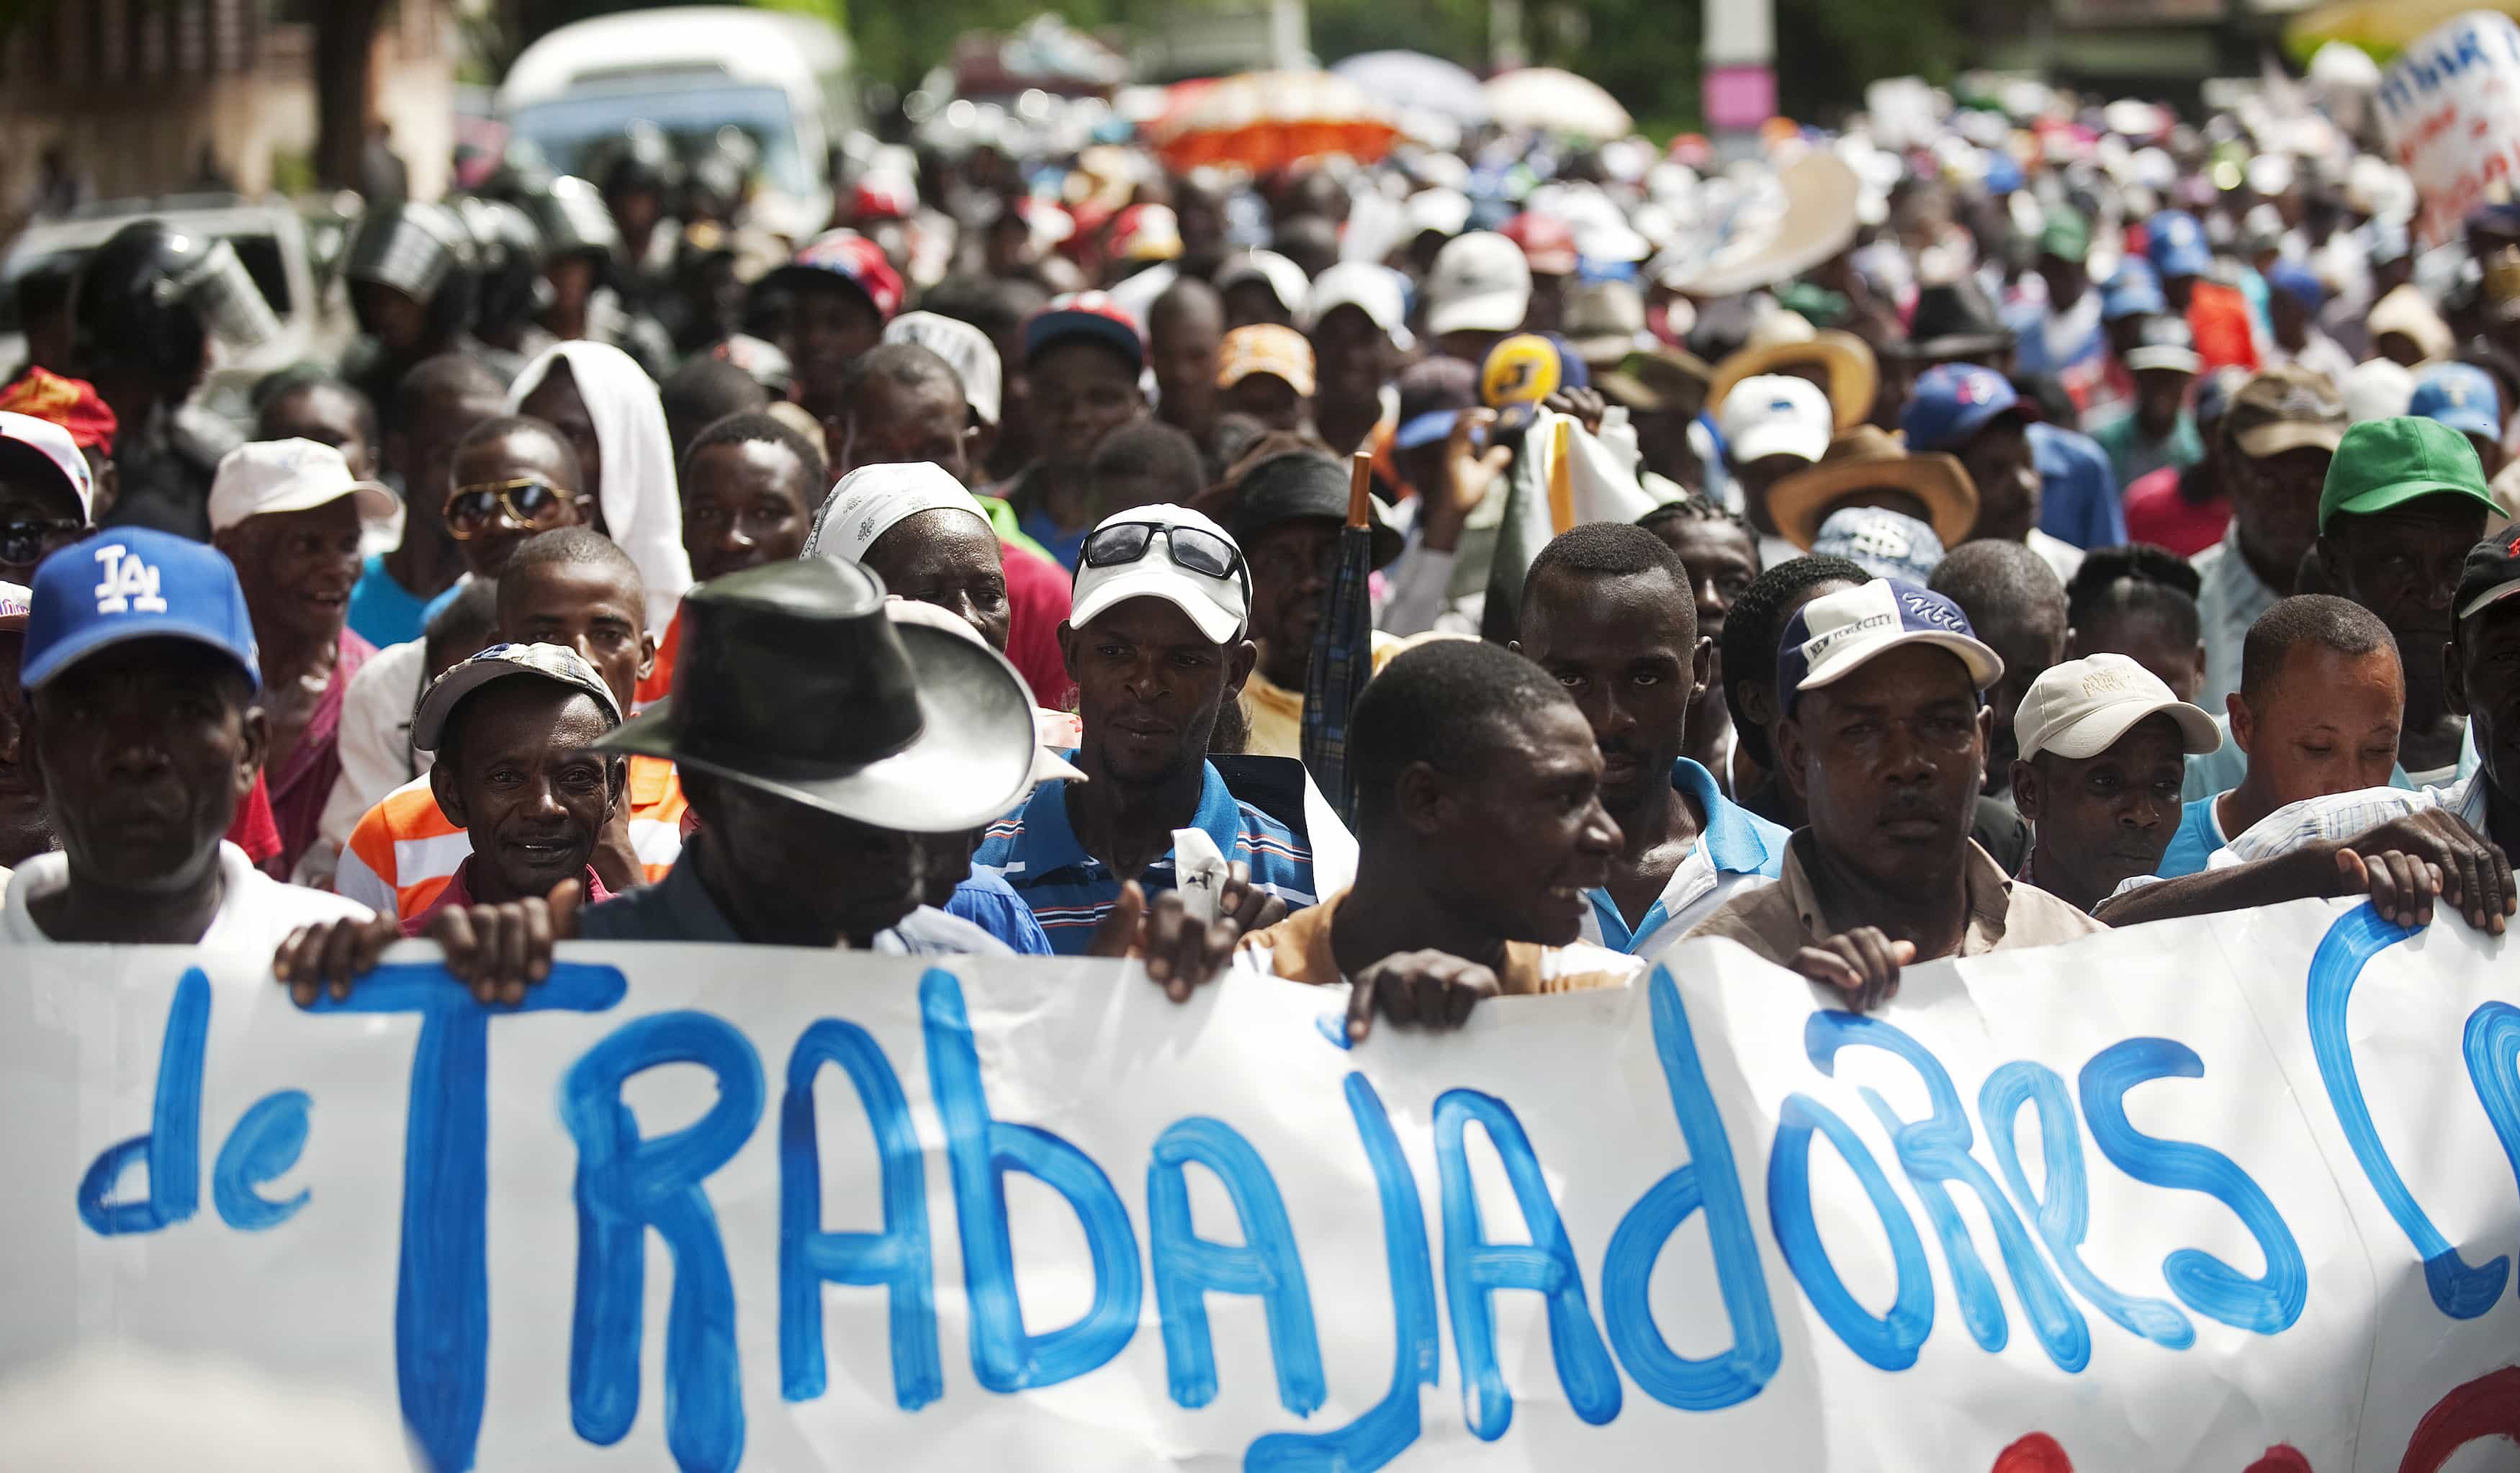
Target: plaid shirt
[
  {"x": 2341, "y": 815},
  {"x": 2228, "y": 602}
]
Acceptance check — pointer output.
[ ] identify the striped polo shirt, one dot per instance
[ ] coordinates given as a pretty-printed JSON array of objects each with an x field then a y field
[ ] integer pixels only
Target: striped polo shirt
[
  {"x": 404, "y": 850},
  {"x": 1037, "y": 853}
]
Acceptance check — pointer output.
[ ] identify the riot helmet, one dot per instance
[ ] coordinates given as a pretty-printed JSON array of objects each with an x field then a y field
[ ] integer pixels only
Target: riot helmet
[
  {"x": 151, "y": 298},
  {"x": 421, "y": 251},
  {"x": 573, "y": 220},
  {"x": 509, "y": 250}
]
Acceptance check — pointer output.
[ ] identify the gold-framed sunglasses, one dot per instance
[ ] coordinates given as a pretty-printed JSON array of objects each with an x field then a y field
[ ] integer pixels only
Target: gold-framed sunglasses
[{"x": 528, "y": 502}]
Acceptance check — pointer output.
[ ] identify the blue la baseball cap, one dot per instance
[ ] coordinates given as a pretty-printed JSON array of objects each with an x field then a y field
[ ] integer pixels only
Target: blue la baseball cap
[
  {"x": 135, "y": 583},
  {"x": 2175, "y": 245},
  {"x": 2461, "y": 395},
  {"x": 2134, "y": 292},
  {"x": 1834, "y": 635},
  {"x": 1952, "y": 402}
]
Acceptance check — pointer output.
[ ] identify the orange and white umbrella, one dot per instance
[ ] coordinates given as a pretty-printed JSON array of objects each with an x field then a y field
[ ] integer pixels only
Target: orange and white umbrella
[{"x": 1265, "y": 120}]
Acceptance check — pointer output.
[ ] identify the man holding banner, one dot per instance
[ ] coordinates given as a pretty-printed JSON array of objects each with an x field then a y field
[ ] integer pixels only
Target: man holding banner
[{"x": 1883, "y": 687}]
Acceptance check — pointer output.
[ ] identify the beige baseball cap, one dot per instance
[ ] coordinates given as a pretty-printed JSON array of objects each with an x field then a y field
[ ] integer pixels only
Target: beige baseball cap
[
  {"x": 265, "y": 476},
  {"x": 2081, "y": 708}
]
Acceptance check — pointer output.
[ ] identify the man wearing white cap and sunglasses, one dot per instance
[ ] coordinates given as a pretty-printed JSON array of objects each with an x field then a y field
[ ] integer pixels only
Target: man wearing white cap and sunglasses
[
  {"x": 2104, "y": 747},
  {"x": 1157, "y": 643},
  {"x": 1886, "y": 736},
  {"x": 288, "y": 514}
]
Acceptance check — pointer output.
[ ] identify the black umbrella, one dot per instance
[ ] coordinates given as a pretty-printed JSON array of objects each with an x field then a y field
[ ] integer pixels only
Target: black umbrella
[{"x": 1343, "y": 646}]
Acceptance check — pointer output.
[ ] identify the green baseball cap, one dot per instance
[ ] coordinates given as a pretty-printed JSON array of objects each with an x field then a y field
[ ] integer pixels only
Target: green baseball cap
[
  {"x": 2066, "y": 235},
  {"x": 2382, "y": 463}
]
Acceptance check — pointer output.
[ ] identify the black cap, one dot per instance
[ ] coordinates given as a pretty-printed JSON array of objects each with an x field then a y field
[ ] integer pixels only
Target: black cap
[{"x": 2492, "y": 574}]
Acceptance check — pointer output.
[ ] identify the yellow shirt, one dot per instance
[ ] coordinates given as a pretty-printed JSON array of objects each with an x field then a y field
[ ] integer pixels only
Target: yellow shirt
[{"x": 1276, "y": 714}]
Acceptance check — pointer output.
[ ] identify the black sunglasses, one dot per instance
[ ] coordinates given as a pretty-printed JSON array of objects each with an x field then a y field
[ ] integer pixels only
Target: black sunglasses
[
  {"x": 32, "y": 541},
  {"x": 1200, "y": 552}
]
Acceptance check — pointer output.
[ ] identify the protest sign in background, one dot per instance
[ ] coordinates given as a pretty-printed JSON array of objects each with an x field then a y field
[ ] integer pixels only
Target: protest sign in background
[
  {"x": 2228, "y": 1194},
  {"x": 2450, "y": 113}
]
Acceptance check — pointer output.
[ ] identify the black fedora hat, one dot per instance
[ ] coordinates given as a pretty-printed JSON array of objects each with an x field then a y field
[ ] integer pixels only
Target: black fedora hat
[
  {"x": 792, "y": 681},
  {"x": 1953, "y": 320}
]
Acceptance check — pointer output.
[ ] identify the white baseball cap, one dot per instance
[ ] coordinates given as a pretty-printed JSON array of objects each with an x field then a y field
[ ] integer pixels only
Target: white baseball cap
[
  {"x": 1216, "y": 597},
  {"x": 1775, "y": 413},
  {"x": 1443, "y": 211},
  {"x": 1286, "y": 280},
  {"x": 1838, "y": 634},
  {"x": 54, "y": 444},
  {"x": 1378, "y": 292},
  {"x": 1481, "y": 283},
  {"x": 2081, "y": 708},
  {"x": 264, "y": 476},
  {"x": 973, "y": 356}
]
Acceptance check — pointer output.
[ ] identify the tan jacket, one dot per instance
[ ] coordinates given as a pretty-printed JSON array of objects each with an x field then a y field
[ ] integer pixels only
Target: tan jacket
[{"x": 1780, "y": 919}]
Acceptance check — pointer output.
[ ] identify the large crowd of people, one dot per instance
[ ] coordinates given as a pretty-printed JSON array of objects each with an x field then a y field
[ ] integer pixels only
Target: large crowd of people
[{"x": 2038, "y": 525}]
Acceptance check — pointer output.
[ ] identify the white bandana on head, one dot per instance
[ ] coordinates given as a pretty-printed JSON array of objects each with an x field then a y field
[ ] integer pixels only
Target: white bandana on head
[
  {"x": 872, "y": 500},
  {"x": 643, "y": 507}
]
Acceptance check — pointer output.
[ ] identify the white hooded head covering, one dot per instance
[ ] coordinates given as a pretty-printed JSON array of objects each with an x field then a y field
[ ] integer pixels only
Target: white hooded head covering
[{"x": 642, "y": 508}]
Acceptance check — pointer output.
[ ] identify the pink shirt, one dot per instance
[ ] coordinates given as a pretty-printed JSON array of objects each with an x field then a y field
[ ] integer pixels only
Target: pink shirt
[
  {"x": 300, "y": 789},
  {"x": 459, "y": 892}
]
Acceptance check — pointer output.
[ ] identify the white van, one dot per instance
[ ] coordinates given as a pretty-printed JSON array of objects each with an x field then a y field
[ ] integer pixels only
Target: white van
[{"x": 783, "y": 79}]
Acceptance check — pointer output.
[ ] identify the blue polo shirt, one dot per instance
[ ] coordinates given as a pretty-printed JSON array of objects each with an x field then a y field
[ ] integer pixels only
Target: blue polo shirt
[
  {"x": 1736, "y": 849},
  {"x": 2197, "y": 839},
  {"x": 1035, "y": 850},
  {"x": 992, "y": 905}
]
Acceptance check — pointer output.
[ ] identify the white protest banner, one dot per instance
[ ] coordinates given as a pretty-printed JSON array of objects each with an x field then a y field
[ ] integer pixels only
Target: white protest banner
[
  {"x": 2234, "y": 1196},
  {"x": 2450, "y": 113}
]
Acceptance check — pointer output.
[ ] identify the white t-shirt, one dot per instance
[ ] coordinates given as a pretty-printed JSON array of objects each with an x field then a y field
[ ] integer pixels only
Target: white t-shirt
[
  {"x": 375, "y": 741},
  {"x": 257, "y": 912}
]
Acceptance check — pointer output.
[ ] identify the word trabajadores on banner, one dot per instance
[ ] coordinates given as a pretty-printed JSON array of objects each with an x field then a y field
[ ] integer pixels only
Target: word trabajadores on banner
[{"x": 2227, "y": 1194}]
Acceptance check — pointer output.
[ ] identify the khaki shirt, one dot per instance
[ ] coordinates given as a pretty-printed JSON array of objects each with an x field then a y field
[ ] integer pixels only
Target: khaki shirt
[
  {"x": 1298, "y": 948},
  {"x": 1780, "y": 919}
]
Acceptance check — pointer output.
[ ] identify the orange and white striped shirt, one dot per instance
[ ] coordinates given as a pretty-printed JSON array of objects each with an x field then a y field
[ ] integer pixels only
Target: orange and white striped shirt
[{"x": 404, "y": 850}]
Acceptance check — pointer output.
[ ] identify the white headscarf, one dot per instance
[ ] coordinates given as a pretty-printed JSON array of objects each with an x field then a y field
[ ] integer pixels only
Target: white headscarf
[
  {"x": 642, "y": 508},
  {"x": 872, "y": 500}
]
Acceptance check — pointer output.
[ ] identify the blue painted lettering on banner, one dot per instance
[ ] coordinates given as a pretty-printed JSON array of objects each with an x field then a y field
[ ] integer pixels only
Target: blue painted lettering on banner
[
  {"x": 1474, "y": 1268},
  {"x": 172, "y": 1149},
  {"x": 1385, "y": 1431},
  {"x": 2491, "y": 1044},
  {"x": 1188, "y": 1267},
  {"x": 443, "y": 1288},
  {"x": 2458, "y": 1290},
  {"x": 1889, "y": 1341},
  {"x": 264, "y": 1144},
  {"x": 896, "y": 1259},
  {"x": 1935, "y": 1153},
  {"x": 979, "y": 1152},
  {"x": 627, "y": 1184},
  {"x": 2064, "y": 1213},
  {"x": 2267, "y": 1304},
  {"x": 1709, "y": 1181}
]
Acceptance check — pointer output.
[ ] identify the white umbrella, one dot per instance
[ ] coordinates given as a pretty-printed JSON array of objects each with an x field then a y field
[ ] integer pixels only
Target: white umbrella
[
  {"x": 1413, "y": 82},
  {"x": 1546, "y": 100}
]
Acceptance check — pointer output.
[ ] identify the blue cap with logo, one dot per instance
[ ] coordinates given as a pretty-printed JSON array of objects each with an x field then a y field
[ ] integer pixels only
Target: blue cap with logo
[
  {"x": 1832, "y": 636},
  {"x": 2461, "y": 395},
  {"x": 2175, "y": 245},
  {"x": 135, "y": 583},
  {"x": 1952, "y": 402}
]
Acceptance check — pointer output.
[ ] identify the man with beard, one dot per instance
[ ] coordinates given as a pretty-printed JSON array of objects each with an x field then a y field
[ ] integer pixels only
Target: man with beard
[
  {"x": 1884, "y": 735},
  {"x": 1607, "y": 612}
]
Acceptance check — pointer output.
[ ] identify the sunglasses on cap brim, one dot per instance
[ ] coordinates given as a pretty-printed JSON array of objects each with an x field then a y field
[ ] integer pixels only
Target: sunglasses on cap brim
[{"x": 1195, "y": 548}]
